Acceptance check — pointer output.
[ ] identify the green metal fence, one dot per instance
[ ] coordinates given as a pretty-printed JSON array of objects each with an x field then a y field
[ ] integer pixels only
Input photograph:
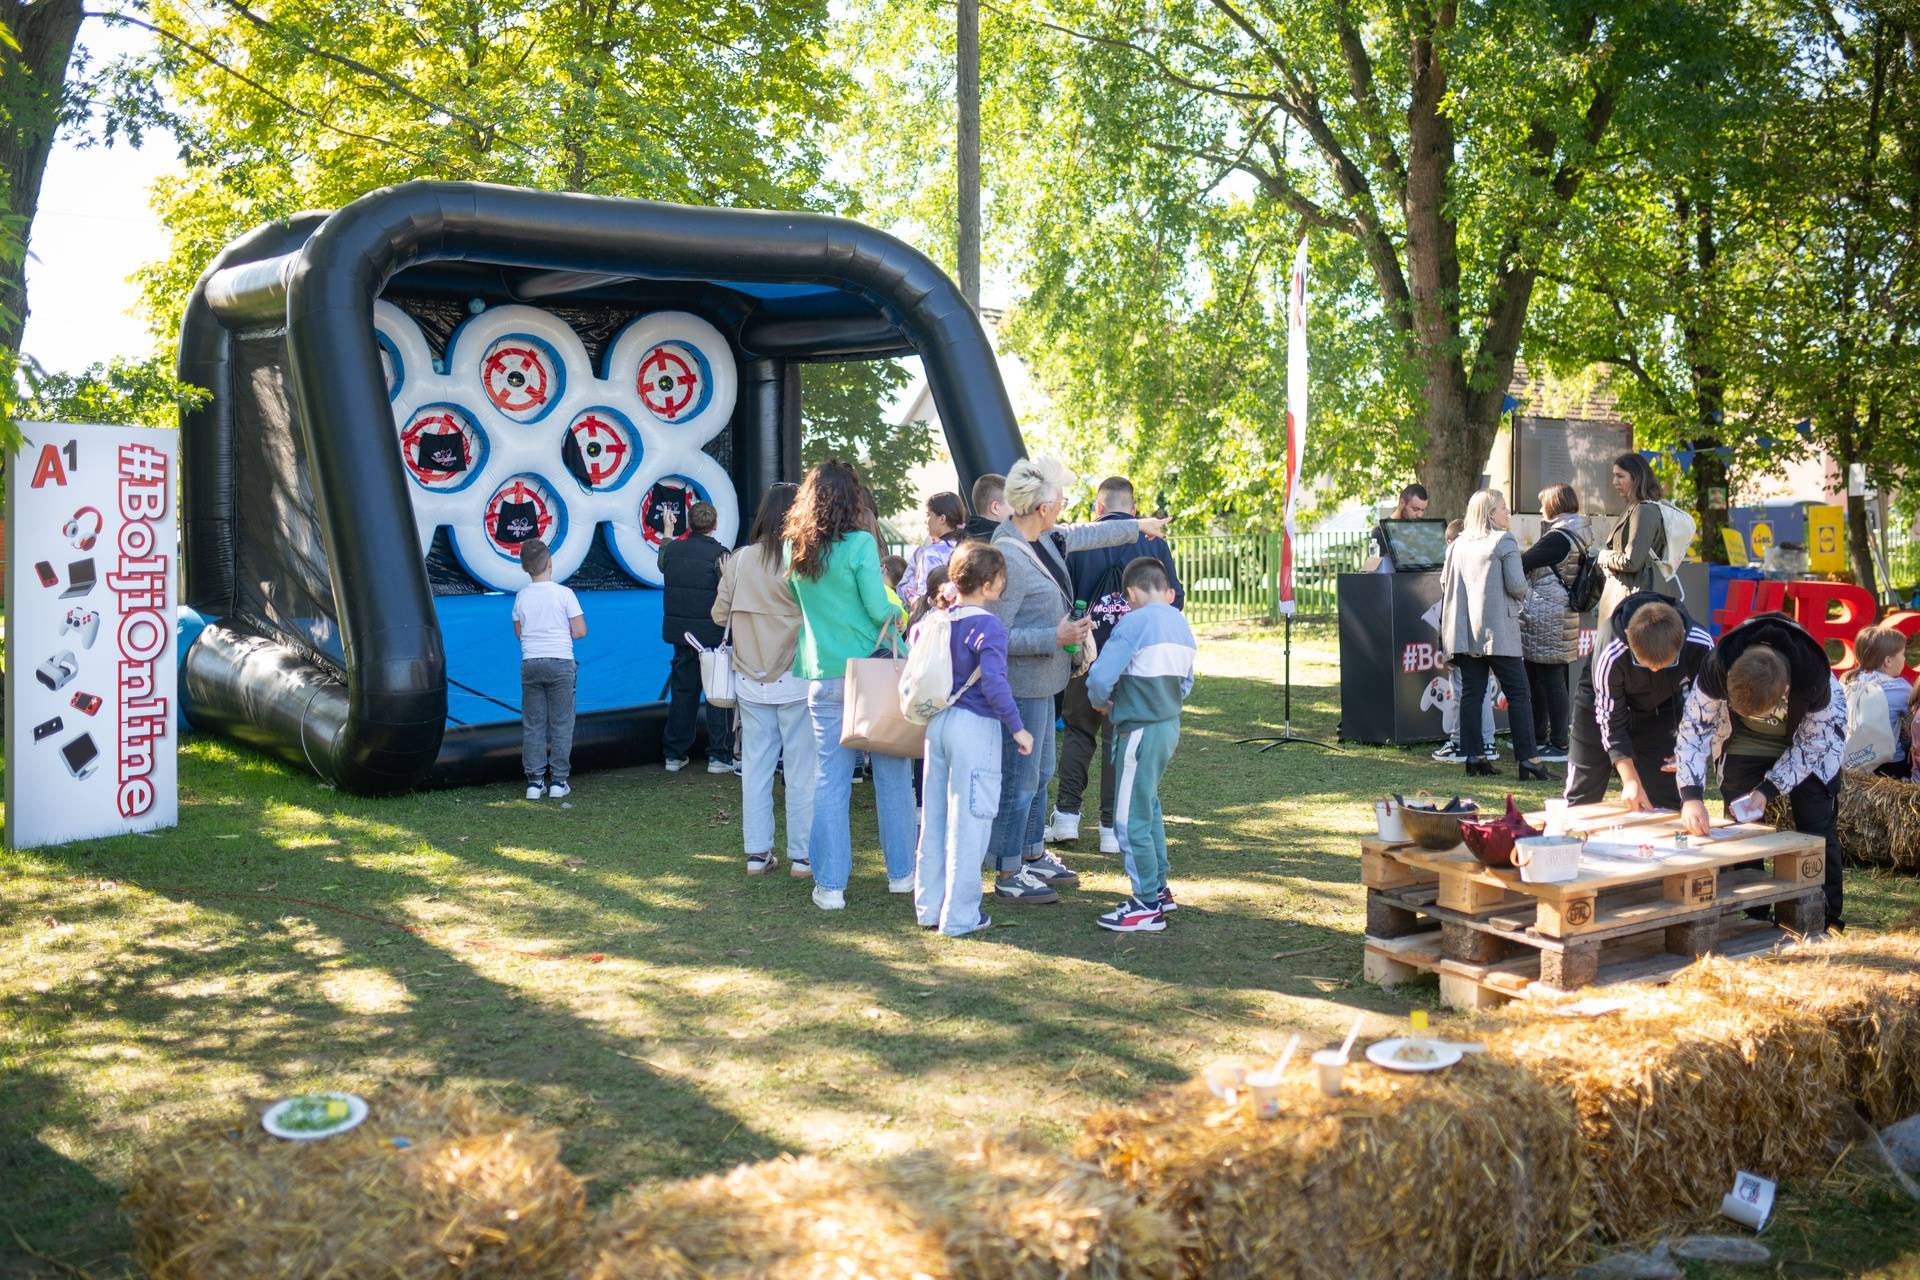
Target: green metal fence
[{"x": 1235, "y": 577}]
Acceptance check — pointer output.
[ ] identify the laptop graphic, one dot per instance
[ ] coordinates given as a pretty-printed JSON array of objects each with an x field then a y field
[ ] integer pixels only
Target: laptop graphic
[{"x": 79, "y": 579}]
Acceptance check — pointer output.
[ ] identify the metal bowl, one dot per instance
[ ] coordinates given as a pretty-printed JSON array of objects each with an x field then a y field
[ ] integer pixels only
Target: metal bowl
[{"x": 1433, "y": 830}]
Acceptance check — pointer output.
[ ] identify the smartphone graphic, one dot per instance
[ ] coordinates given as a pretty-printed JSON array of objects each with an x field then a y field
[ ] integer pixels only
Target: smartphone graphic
[
  {"x": 48, "y": 578},
  {"x": 81, "y": 755},
  {"x": 85, "y": 703},
  {"x": 46, "y": 729}
]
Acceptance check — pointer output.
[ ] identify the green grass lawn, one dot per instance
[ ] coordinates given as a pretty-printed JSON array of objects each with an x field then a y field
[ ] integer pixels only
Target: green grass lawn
[{"x": 609, "y": 969}]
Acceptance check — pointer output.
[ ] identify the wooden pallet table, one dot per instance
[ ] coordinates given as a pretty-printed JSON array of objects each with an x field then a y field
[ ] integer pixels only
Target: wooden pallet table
[{"x": 1491, "y": 936}]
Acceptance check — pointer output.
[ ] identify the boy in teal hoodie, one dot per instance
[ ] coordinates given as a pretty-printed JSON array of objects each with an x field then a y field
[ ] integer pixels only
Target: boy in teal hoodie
[{"x": 1141, "y": 677}]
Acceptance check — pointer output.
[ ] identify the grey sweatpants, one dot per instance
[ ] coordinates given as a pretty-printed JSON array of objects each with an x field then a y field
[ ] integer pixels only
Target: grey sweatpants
[{"x": 546, "y": 716}]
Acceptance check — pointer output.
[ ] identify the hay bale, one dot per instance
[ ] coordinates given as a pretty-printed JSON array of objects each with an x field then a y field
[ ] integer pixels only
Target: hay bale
[
  {"x": 992, "y": 1211},
  {"x": 1864, "y": 989},
  {"x": 1678, "y": 1090},
  {"x": 1474, "y": 1171},
  {"x": 1878, "y": 822},
  {"x": 477, "y": 1194}
]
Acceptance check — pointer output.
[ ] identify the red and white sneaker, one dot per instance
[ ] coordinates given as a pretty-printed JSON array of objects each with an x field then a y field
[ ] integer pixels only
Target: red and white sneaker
[
  {"x": 1166, "y": 899},
  {"x": 1133, "y": 916}
]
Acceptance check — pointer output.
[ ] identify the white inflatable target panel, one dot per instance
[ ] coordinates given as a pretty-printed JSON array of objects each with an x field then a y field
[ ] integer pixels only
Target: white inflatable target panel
[
  {"x": 680, "y": 370},
  {"x": 609, "y": 448},
  {"x": 483, "y": 437},
  {"x": 636, "y": 532}
]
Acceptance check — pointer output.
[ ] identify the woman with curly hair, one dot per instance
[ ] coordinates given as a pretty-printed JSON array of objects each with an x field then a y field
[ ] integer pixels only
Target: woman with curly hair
[{"x": 833, "y": 566}]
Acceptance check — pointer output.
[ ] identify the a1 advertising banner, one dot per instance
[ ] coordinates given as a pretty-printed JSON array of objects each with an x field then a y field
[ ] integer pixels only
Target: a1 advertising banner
[{"x": 91, "y": 571}]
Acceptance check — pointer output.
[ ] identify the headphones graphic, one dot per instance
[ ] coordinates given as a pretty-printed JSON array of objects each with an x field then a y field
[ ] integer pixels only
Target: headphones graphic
[{"x": 77, "y": 532}]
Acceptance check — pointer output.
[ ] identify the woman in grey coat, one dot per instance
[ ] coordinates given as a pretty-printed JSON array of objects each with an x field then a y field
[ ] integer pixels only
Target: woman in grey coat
[
  {"x": 1549, "y": 630},
  {"x": 1035, "y": 609},
  {"x": 1481, "y": 588}
]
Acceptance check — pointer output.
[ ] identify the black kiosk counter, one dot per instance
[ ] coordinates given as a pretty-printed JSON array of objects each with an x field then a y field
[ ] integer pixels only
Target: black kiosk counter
[{"x": 1393, "y": 688}]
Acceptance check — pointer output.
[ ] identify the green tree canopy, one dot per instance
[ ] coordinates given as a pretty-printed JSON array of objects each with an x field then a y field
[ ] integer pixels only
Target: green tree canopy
[{"x": 296, "y": 104}]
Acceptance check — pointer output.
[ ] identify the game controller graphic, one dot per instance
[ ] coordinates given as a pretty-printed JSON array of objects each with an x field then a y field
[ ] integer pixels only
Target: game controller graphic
[
  {"x": 58, "y": 671},
  {"x": 86, "y": 703},
  {"x": 84, "y": 529},
  {"x": 1438, "y": 693},
  {"x": 82, "y": 622}
]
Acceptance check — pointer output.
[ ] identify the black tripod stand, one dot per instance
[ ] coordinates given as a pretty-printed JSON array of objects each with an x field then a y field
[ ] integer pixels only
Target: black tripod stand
[{"x": 1286, "y": 735}]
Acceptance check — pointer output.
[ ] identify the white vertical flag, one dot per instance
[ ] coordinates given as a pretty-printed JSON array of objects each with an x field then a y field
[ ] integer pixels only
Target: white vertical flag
[{"x": 1296, "y": 415}]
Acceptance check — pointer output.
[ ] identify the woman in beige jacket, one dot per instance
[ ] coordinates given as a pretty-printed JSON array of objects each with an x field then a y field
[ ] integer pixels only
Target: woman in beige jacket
[
  {"x": 1632, "y": 560},
  {"x": 756, "y": 602},
  {"x": 1482, "y": 587}
]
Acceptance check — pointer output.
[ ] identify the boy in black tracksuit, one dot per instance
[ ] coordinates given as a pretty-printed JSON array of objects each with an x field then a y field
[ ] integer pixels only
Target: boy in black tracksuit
[
  {"x": 1096, "y": 579},
  {"x": 1769, "y": 706},
  {"x": 1626, "y": 714}
]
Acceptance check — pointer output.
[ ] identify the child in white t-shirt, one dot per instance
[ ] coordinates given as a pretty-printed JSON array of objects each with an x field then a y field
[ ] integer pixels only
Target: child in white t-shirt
[{"x": 548, "y": 619}]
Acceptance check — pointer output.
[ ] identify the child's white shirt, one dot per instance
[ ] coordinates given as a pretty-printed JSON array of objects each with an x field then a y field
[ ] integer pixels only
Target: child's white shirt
[{"x": 545, "y": 612}]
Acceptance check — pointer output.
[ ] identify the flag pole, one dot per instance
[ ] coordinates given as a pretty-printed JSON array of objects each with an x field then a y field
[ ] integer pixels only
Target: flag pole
[{"x": 1296, "y": 439}]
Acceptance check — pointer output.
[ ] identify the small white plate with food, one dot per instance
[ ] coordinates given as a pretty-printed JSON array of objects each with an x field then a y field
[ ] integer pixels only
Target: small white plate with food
[{"x": 1413, "y": 1053}]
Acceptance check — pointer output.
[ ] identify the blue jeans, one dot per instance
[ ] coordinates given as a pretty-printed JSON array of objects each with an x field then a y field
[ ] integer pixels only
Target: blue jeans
[
  {"x": 1023, "y": 787},
  {"x": 962, "y": 789},
  {"x": 767, "y": 734},
  {"x": 831, "y": 843}
]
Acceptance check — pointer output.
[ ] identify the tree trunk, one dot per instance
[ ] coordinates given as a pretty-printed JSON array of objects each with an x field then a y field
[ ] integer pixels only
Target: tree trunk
[
  {"x": 1860, "y": 544},
  {"x": 967, "y": 52},
  {"x": 1456, "y": 444},
  {"x": 35, "y": 81},
  {"x": 1709, "y": 473}
]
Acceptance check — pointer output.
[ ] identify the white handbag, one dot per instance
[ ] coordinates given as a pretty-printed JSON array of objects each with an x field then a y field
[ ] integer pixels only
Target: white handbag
[{"x": 716, "y": 669}]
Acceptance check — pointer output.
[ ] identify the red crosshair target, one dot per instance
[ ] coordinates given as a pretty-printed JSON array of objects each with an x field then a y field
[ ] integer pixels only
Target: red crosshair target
[
  {"x": 669, "y": 382},
  {"x": 516, "y": 377},
  {"x": 603, "y": 446},
  {"x": 518, "y": 511},
  {"x": 437, "y": 447}
]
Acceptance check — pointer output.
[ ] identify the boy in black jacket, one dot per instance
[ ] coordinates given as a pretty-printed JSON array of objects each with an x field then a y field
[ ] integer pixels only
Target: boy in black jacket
[
  {"x": 1627, "y": 718},
  {"x": 1770, "y": 708},
  {"x": 690, "y": 567},
  {"x": 1096, "y": 579}
]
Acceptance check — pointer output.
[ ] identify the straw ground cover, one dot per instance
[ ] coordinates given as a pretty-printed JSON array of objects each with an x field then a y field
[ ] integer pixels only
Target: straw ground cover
[{"x": 676, "y": 1018}]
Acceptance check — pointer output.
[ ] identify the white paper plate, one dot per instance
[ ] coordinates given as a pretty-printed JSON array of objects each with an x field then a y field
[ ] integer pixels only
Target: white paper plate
[
  {"x": 356, "y": 1112},
  {"x": 1382, "y": 1053}
]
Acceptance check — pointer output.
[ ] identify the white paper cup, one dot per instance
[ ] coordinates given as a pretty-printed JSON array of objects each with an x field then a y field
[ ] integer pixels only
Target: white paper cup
[
  {"x": 1329, "y": 1065},
  {"x": 1556, "y": 816},
  {"x": 1750, "y": 1201},
  {"x": 1264, "y": 1086},
  {"x": 1227, "y": 1078}
]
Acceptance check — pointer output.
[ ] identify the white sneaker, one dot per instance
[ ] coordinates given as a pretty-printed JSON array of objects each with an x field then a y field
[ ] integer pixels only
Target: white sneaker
[
  {"x": 720, "y": 766},
  {"x": 829, "y": 899},
  {"x": 536, "y": 792},
  {"x": 559, "y": 791},
  {"x": 902, "y": 885},
  {"x": 675, "y": 763},
  {"x": 1109, "y": 840},
  {"x": 1063, "y": 828}
]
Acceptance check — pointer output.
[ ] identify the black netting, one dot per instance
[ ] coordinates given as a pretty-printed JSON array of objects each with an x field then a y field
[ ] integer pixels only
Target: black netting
[{"x": 280, "y": 565}]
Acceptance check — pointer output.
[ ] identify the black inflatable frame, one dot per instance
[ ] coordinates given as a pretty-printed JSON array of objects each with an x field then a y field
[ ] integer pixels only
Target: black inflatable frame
[{"x": 380, "y": 726}]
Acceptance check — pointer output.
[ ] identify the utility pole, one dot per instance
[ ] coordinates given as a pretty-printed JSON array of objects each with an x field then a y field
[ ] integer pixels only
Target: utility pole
[{"x": 967, "y": 48}]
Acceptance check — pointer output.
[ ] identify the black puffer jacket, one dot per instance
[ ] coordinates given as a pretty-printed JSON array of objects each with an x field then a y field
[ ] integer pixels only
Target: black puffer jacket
[{"x": 691, "y": 568}]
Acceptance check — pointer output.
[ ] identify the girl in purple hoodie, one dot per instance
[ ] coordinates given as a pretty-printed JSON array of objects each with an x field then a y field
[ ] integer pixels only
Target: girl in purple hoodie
[{"x": 962, "y": 779}]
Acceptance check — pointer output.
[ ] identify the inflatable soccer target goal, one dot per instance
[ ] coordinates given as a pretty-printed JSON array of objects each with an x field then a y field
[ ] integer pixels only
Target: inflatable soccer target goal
[{"x": 406, "y": 391}]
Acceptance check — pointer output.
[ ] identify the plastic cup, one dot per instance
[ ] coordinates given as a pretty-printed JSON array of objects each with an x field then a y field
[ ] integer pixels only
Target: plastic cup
[
  {"x": 1227, "y": 1078},
  {"x": 1557, "y": 816},
  {"x": 1264, "y": 1087},
  {"x": 1329, "y": 1066},
  {"x": 1750, "y": 1201}
]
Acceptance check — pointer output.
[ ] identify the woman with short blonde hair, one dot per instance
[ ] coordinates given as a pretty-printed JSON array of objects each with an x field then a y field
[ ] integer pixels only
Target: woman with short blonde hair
[{"x": 1035, "y": 609}]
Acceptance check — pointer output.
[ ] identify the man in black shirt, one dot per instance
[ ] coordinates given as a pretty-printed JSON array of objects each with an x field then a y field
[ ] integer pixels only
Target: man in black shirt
[{"x": 1626, "y": 717}]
